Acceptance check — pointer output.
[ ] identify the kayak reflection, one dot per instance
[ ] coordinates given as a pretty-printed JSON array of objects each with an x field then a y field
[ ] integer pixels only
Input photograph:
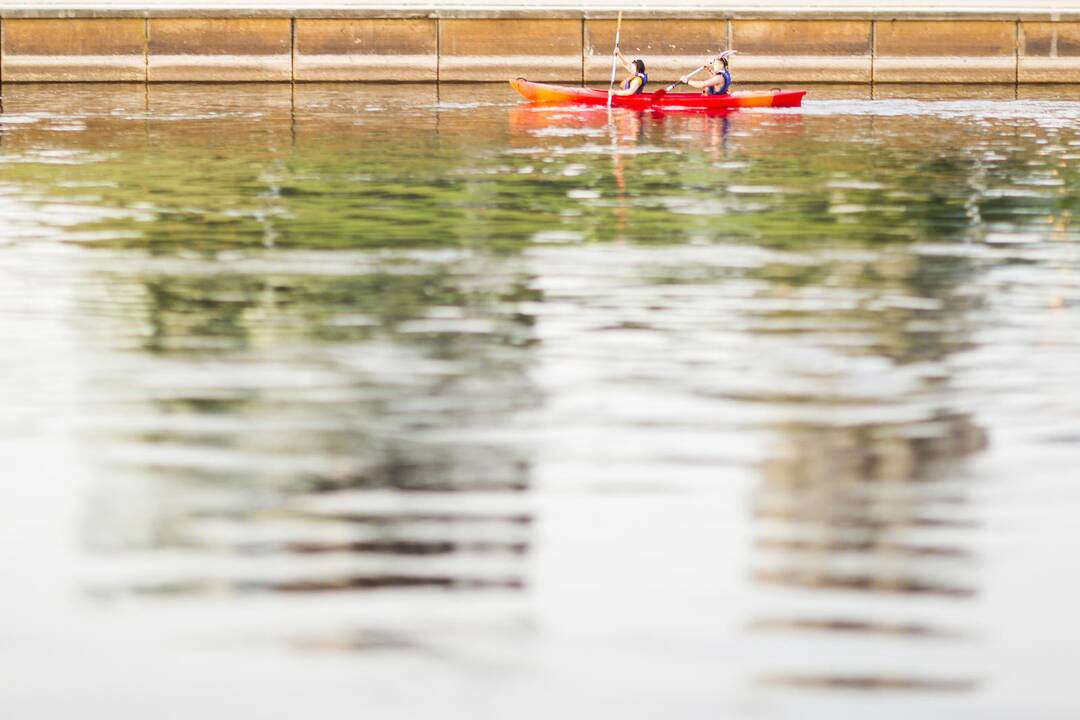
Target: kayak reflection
[{"x": 639, "y": 125}]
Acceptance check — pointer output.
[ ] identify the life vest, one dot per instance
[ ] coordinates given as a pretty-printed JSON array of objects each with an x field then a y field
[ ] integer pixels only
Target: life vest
[
  {"x": 714, "y": 90},
  {"x": 641, "y": 88}
]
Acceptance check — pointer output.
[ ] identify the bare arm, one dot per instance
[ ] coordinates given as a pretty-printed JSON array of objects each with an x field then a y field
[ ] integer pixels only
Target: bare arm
[
  {"x": 714, "y": 80},
  {"x": 635, "y": 83},
  {"x": 625, "y": 63}
]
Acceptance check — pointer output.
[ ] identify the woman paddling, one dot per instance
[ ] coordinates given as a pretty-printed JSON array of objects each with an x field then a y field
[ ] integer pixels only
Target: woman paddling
[
  {"x": 634, "y": 83},
  {"x": 720, "y": 82}
]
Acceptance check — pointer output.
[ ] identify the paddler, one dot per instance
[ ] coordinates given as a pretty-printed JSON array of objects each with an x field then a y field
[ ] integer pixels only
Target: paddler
[
  {"x": 720, "y": 82},
  {"x": 633, "y": 83}
]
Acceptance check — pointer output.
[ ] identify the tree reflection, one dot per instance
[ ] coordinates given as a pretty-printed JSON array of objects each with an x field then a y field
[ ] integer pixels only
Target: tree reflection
[{"x": 284, "y": 416}]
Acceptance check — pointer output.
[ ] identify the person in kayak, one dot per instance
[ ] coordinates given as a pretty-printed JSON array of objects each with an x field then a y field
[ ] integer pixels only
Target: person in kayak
[
  {"x": 720, "y": 82},
  {"x": 634, "y": 83}
]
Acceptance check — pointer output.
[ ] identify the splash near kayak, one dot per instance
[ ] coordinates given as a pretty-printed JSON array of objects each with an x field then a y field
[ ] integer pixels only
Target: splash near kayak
[{"x": 545, "y": 94}]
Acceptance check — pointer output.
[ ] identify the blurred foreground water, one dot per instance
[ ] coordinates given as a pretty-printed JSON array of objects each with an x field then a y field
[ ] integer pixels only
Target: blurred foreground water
[{"x": 394, "y": 402}]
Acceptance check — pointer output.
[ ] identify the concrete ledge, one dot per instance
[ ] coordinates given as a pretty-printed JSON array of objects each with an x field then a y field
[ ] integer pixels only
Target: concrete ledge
[
  {"x": 804, "y": 69},
  {"x": 273, "y": 9},
  {"x": 490, "y": 45},
  {"x": 112, "y": 49},
  {"x": 373, "y": 49},
  {"x": 1049, "y": 70},
  {"x": 219, "y": 50},
  {"x": 545, "y": 68},
  {"x": 937, "y": 69}
]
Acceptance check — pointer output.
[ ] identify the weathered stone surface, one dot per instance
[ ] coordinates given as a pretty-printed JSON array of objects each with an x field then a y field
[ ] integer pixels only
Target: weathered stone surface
[
  {"x": 955, "y": 69},
  {"x": 803, "y": 69},
  {"x": 543, "y": 44},
  {"x": 74, "y": 50},
  {"x": 493, "y": 50},
  {"x": 376, "y": 49},
  {"x": 801, "y": 50},
  {"x": 801, "y": 37},
  {"x": 905, "y": 38},
  {"x": 945, "y": 52},
  {"x": 657, "y": 37},
  {"x": 220, "y": 50},
  {"x": 668, "y": 47},
  {"x": 1049, "y": 69},
  {"x": 1043, "y": 91},
  {"x": 1045, "y": 39},
  {"x": 828, "y": 91}
]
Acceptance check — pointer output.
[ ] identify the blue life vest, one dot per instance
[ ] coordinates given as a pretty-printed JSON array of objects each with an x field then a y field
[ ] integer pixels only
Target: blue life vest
[
  {"x": 713, "y": 90},
  {"x": 641, "y": 88}
]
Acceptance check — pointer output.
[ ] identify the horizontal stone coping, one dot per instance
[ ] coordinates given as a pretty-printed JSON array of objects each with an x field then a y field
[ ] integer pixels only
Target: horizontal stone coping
[
  {"x": 282, "y": 48},
  {"x": 729, "y": 13}
]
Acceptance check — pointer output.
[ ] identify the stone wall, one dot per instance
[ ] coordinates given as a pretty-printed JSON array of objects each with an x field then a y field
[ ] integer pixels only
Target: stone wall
[{"x": 566, "y": 46}]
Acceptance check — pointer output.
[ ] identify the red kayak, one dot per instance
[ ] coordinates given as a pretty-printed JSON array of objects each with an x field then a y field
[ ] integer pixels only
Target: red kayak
[{"x": 542, "y": 93}]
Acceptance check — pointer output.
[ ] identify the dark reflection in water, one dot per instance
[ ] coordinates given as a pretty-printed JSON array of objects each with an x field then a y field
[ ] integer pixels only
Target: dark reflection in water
[
  {"x": 873, "y": 683},
  {"x": 423, "y": 370},
  {"x": 876, "y": 507},
  {"x": 321, "y": 417},
  {"x": 851, "y": 626}
]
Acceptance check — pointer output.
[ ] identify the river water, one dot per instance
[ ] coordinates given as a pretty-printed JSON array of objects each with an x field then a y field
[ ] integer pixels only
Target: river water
[{"x": 414, "y": 402}]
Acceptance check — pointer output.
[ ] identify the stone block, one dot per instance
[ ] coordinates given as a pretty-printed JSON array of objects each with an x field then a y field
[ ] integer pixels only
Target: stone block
[
  {"x": 366, "y": 49},
  {"x": 927, "y": 38},
  {"x": 802, "y": 51},
  {"x": 1049, "y": 52},
  {"x": 1050, "y": 39},
  {"x": 1044, "y": 91},
  {"x": 956, "y": 69},
  {"x": 220, "y": 49},
  {"x": 801, "y": 69},
  {"x": 74, "y": 50},
  {"x": 1049, "y": 69},
  {"x": 801, "y": 38},
  {"x": 945, "y": 51},
  {"x": 499, "y": 49}
]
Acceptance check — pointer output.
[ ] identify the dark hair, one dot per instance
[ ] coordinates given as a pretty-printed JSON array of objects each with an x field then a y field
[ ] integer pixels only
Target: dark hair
[{"x": 639, "y": 65}]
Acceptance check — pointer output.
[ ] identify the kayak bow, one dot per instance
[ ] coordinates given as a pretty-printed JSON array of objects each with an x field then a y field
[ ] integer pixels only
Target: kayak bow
[{"x": 545, "y": 94}]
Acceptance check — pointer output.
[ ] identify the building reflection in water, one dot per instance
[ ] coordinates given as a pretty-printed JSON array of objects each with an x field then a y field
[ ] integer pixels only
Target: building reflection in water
[{"x": 863, "y": 549}]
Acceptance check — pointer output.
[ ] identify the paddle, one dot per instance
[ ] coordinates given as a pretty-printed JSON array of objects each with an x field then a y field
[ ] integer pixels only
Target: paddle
[
  {"x": 664, "y": 91},
  {"x": 614, "y": 59}
]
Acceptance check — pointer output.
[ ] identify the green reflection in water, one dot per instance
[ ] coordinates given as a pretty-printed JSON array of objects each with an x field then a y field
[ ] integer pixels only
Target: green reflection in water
[{"x": 391, "y": 167}]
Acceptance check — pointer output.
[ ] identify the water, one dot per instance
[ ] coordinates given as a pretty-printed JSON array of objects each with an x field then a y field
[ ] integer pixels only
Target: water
[{"x": 416, "y": 402}]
